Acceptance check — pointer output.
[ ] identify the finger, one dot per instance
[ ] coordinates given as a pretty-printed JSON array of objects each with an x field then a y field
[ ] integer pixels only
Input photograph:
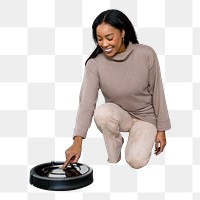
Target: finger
[
  {"x": 157, "y": 151},
  {"x": 156, "y": 146},
  {"x": 161, "y": 149},
  {"x": 68, "y": 160},
  {"x": 75, "y": 160},
  {"x": 72, "y": 160},
  {"x": 65, "y": 164}
]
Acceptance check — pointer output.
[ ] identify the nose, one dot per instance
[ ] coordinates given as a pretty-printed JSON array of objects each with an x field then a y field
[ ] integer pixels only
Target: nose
[{"x": 104, "y": 43}]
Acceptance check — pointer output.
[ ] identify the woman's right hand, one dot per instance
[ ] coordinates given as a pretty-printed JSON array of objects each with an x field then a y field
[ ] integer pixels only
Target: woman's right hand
[{"x": 73, "y": 153}]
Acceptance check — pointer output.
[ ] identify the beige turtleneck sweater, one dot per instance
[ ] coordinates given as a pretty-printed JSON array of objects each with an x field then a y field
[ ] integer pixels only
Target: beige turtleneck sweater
[{"x": 132, "y": 80}]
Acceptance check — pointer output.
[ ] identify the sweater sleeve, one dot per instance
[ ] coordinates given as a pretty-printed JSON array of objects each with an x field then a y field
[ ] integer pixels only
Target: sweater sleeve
[
  {"x": 157, "y": 92},
  {"x": 87, "y": 99}
]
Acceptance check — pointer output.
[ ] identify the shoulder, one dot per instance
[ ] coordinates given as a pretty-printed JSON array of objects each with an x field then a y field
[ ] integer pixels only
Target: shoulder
[
  {"x": 145, "y": 49},
  {"x": 95, "y": 62},
  {"x": 91, "y": 66},
  {"x": 146, "y": 52},
  {"x": 97, "y": 59}
]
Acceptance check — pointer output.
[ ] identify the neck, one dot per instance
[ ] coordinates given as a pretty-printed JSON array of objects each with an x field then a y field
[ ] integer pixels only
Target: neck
[{"x": 122, "y": 48}]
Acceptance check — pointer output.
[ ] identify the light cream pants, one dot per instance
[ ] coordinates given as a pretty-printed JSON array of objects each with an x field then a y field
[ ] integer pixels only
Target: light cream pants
[{"x": 111, "y": 120}]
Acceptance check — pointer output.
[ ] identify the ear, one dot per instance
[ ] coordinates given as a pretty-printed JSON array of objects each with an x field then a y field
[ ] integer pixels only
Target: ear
[{"x": 123, "y": 33}]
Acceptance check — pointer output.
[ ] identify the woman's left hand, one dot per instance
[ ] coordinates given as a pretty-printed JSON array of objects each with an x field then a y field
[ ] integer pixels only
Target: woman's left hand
[{"x": 160, "y": 142}]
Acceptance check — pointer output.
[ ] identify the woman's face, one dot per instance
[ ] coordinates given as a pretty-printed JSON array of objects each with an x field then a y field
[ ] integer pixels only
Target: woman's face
[{"x": 110, "y": 39}]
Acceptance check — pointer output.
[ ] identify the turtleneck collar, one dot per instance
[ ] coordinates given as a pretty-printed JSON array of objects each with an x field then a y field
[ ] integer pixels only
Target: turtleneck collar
[{"x": 124, "y": 55}]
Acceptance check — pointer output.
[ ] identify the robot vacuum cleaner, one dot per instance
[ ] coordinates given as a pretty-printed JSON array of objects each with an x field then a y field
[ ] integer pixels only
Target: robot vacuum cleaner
[{"x": 50, "y": 176}]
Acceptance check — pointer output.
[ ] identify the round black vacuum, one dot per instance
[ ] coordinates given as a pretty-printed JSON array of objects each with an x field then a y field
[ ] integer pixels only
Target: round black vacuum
[{"x": 50, "y": 176}]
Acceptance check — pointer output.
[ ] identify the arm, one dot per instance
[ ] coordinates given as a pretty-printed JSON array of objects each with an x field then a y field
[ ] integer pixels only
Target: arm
[
  {"x": 159, "y": 103},
  {"x": 87, "y": 99},
  {"x": 73, "y": 153},
  {"x": 87, "y": 104},
  {"x": 158, "y": 97}
]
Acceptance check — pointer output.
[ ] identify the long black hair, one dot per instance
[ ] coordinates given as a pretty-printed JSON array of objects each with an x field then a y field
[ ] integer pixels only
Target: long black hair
[{"x": 118, "y": 20}]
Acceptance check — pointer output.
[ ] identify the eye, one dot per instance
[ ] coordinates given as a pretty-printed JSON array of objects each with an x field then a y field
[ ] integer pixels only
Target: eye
[
  {"x": 110, "y": 39},
  {"x": 99, "y": 39}
]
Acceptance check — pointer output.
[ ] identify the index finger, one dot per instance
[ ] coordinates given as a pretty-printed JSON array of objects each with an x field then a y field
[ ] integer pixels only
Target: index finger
[
  {"x": 65, "y": 164},
  {"x": 69, "y": 159}
]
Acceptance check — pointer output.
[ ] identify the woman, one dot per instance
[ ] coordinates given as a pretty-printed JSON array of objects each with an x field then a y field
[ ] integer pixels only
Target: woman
[{"x": 128, "y": 75}]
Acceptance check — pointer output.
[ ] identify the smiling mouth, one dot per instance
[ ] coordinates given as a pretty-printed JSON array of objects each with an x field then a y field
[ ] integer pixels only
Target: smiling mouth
[{"x": 108, "y": 50}]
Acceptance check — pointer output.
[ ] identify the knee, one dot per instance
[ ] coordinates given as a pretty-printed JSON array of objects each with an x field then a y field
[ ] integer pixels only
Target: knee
[
  {"x": 136, "y": 162},
  {"x": 104, "y": 117},
  {"x": 103, "y": 112}
]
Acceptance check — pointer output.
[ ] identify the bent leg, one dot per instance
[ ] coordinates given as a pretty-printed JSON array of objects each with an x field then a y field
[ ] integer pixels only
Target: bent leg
[
  {"x": 110, "y": 120},
  {"x": 140, "y": 143}
]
